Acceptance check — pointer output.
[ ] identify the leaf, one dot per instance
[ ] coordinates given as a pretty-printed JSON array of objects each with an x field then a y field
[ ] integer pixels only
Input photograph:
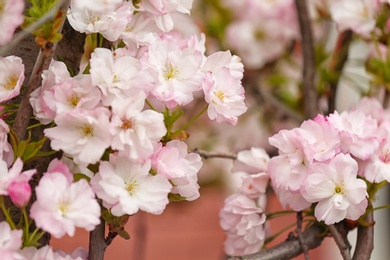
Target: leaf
[
  {"x": 79, "y": 176},
  {"x": 175, "y": 197},
  {"x": 123, "y": 233}
]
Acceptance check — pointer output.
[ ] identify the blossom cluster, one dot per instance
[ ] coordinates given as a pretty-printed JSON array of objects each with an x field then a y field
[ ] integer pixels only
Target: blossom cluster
[
  {"x": 112, "y": 121},
  {"x": 243, "y": 215},
  {"x": 263, "y": 31},
  {"x": 324, "y": 160}
]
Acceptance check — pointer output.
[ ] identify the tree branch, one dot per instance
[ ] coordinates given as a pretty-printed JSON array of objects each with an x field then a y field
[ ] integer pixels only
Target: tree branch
[
  {"x": 309, "y": 66},
  {"x": 340, "y": 241},
  {"x": 290, "y": 248},
  {"x": 298, "y": 230},
  {"x": 365, "y": 239},
  {"x": 208, "y": 155},
  {"x": 43, "y": 61},
  {"x": 97, "y": 242}
]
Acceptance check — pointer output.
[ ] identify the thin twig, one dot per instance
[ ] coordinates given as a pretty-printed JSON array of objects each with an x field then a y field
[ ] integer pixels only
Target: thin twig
[
  {"x": 32, "y": 27},
  {"x": 338, "y": 238},
  {"x": 309, "y": 89},
  {"x": 298, "y": 230},
  {"x": 288, "y": 249},
  {"x": 207, "y": 155}
]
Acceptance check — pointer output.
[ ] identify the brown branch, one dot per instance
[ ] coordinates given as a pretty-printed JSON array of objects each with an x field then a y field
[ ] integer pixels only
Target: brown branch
[
  {"x": 309, "y": 66},
  {"x": 341, "y": 242},
  {"x": 208, "y": 155},
  {"x": 97, "y": 242},
  {"x": 365, "y": 239},
  {"x": 298, "y": 230},
  {"x": 43, "y": 61},
  {"x": 290, "y": 248}
]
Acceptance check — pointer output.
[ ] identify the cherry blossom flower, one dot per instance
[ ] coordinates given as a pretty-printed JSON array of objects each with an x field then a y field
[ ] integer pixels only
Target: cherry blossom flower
[
  {"x": 135, "y": 132},
  {"x": 84, "y": 135},
  {"x": 11, "y": 77},
  {"x": 243, "y": 223},
  {"x": 336, "y": 188},
  {"x": 97, "y": 5},
  {"x": 219, "y": 60},
  {"x": 14, "y": 174},
  {"x": 10, "y": 242},
  {"x": 251, "y": 161},
  {"x": 180, "y": 167},
  {"x": 358, "y": 16},
  {"x": 74, "y": 93},
  {"x": 126, "y": 187},
  {"x": 107, "y": 22},
  {"x": 5, "y": 147},
  {"x": 177, "y": 71},
  {"x": 56, "y": 73},
  {"x": 11, "y": 16},
  {"x": 160, "y": 11},
  {"x": 225, "y": 96},
  {"x": 20, "y": 193},
  {"x": 61, "y": 205},
  {"x": 358, "y": 133},
  {"x": 47, "y": 253},
  {"x": 118, "y": 76}
]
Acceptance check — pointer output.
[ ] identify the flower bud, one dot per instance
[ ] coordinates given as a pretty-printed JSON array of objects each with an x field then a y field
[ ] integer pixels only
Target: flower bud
[{"x": 20, "y": 193}]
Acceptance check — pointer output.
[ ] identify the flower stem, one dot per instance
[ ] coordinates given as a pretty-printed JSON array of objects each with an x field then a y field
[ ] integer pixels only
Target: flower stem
[
  {"x": 6, "y": 213},
  {"x": 191, "y": 121}
]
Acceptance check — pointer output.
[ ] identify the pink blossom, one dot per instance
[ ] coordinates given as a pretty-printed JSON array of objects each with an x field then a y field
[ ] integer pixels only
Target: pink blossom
[
  {"x": 176, "y": 69},
  {"x": 5, "y": 147},
  {"x": 180, "y": 167},
  {"x": 20, "y": 193},
  {"x": 251, "y": 161},
  {"x": 225, "y": 96},
  {"x": 336, "y": 188},
  {"x": 74, "y": 93},
  {"x": 107, "y": 22},
  {"x": 10, "y": 242},
  {"x": 126, "y": 187},
  {"x": 56, "y": 73},
  {"x": 135, "y": 132},
  {"x": 358, "y": 133},
  {"x": 14, "y": 174},
  {"x": 358, "y": 16},
  {"x": 97, "y": 5},
  {"x": 11, "y": 17},
  {"x": 174, "y": 161},
  {"x": 11, "y": 77},
  {"x": 61, "y": 206},
  {"x": 117, "y": 76},
  {"x": 254, "y": 185},
  {"x": 294, "y": 200},
  {"x": 160, "y": 11},
  {"x": 243, "y": 223},
  {"x": 84, "y": 135},
  {"x": 219, "y": 60},
  {"x": 47, "y": 253}
]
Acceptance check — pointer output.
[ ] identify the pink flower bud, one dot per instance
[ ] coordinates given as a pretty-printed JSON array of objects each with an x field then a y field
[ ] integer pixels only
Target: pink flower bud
[{"x": 20, "y": 193}]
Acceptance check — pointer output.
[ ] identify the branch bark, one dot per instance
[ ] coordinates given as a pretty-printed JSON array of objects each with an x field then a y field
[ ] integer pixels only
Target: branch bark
[
  {"x": 309, "y": 66},
  {"x": 97, "y": 242},
  {"x": 365, "y": 239},
  {"x": 341, "y": 242},
  {"x": 290, "y": 248}
]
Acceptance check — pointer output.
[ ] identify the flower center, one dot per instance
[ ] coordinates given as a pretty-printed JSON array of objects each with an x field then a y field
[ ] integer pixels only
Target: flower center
[
  {"x": 339, "y": 189},
  {"x": 11, "y": 82},
  {"x": 127, "y": 124},
  {"x": 87, "y": 130},
  {"x": 170, "y": 72},
  {"x": 63, "y": 206},
  {"x": 93, "y": 19},
  {"x": 73, "y": 100},
  {"x": 131, "y": 188}
]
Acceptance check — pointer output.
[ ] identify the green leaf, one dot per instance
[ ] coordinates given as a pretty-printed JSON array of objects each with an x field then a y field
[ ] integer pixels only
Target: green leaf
[
  {"x": 175, "y": 197},
  {"x": 79, "y": 176},
  {"x": 123, "y": 233}
]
